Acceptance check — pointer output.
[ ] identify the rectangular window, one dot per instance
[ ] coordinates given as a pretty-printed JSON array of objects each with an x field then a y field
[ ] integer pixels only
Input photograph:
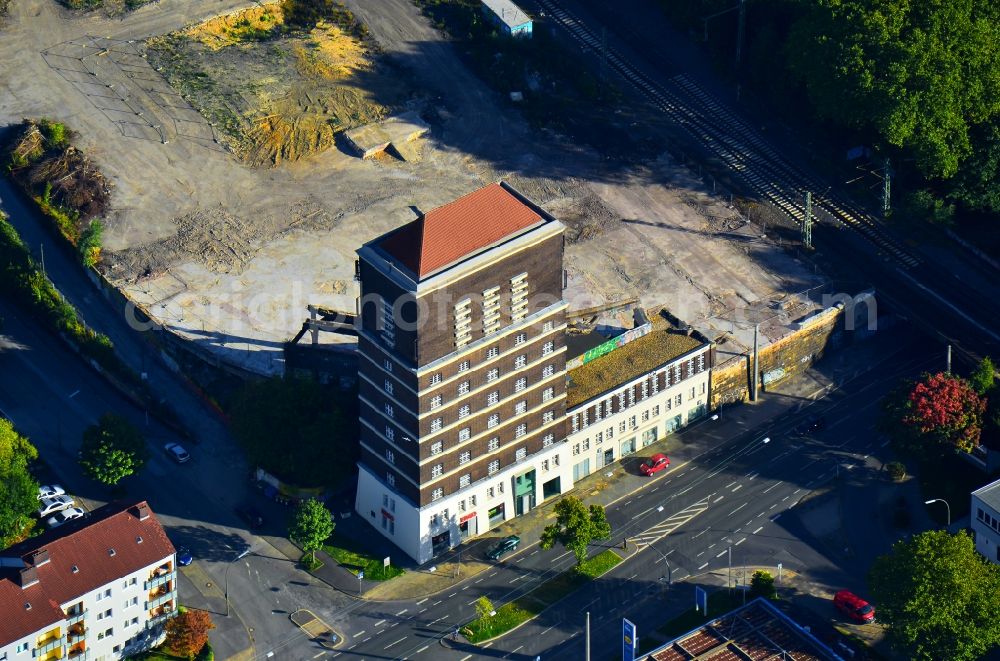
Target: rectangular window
[
  {"x": 519, "y": 297},
  {"x": 472, "y": 500},
  {"x": 599, "y": 438},
  {"x": 493, "y": 420},
  {"x": 548, "y": 371},
  {"x": 388, "y": 386},
  {"x": 490, "y": 493},
  {"x": 548, "y": 440},
  {"x": 435, "y": 379},
  {"x": 678, "y": 400},
  {"x": 461, "y": 505},
  {"x": 463, "y": 323},
  {"x": 521, "y": 361},
  {"x": 463, "y": 388},
  {"x": 656, "y": 410},
  {"x": 435, "y": 448},
  {"x": 493, "y": 374},
  {"x": 390, "y": 433},
  {"x": 548, "y": 394},
  {"x": 389, "y": 411},
  {"x": 390, "y": 479},
  {"x": 645, "y": 390},
  {"x": 701, "y": 362},
  {"x": 436, "y": 470},
  {"x": 520, "y": 338},
  {"x": 548, "y": 416},
  {"x": 436, "y": 424},
  {"x": 586, "y": 444},
  {"x": 520, "y": 384},
  {"x": 520, "y": 431},
  {"x": 491, "y": 310},
  {"x": 645, "y": 416},
  {"x": 611, "y": 433},
  {"x": 548, "y": 348},
  {"x": 520, "y": 407},
  {"x": 493, "y": 467},
  {"x": 545, "y": 464},
  {"x": 493, "y": 444},
  {"x": 621, "y": 427},
  {"x": 388, "y": 330},
  {"x": 390, "y": 456},
  {"x": 465, "y": 457},
  {"x": 463, "y": 366},
  {"x": 576, "y": 448},
  {"x": 492, "y": 352},
  {"x": 437, "y": 494},
  {"x": 464, "y": 411},
  {"x": 692, "y": 394},
  {"x": 464, "y": 434},
  {"x": 631, "y": 422},
  {"x": 521, "y": 454},
  {"x": 387, "y": 364},
  {"x": 547, "y": 326},
  {"x": 493, "y": 398},
  {"x": 464, "y": 481},
  {"x": 702, "y": 387}
]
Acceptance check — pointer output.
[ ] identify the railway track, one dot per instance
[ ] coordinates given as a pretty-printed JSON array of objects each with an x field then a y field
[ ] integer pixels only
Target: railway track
[{"x": 736, "y": 144}]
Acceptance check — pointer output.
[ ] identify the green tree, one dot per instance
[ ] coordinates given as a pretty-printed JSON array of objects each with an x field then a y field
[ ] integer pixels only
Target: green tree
[
  {"x": 112, "y": 449},
  {"x": 977, "y": 184},
  {"x": 983, "y": 377},
  {"x": 312, "y": 524},
  {"x": 576, "y": 527},
  {"x": 937, "y": 597},
  {"x": 917, "y": 74},
  {"x": 762, "y": 584},
  {"x": 18, "y": 489},
  {"x": 484, "y": 607}
]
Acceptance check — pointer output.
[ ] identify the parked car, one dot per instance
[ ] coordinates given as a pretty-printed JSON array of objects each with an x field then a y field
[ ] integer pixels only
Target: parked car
[
  {"x": 250, "y": 515},
  {"x": 55, "y": 504},
  {"x": 50, "y": 491},
  {"x": 505, "y": 546},
  {"x": 176, "y": 452},
  {"x": 654, "y": 464},
  {"x": 184, "y": 557},
  {"x": 65, "y": 515},
  {"x": 854, "y": 607}
]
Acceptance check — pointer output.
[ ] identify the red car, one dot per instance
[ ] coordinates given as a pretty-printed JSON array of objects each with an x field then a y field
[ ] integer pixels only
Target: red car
[
  {"x": 854, "y": 607},
  {"x": 654, "y": 464}
]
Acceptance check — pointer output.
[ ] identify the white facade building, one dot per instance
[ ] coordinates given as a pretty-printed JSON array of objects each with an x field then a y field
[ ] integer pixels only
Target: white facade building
[
  {"x": 95, "y": 589},
  {"x": 985, "y": 520}
]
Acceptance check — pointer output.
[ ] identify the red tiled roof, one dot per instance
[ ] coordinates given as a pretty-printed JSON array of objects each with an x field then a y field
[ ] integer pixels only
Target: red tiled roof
[
  {"x": 83, "y": 544},
  {"x": 470, "y": 223}
]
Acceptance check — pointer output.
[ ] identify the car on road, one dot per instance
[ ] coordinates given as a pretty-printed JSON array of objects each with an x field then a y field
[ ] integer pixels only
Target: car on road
[
  {"x": 54, "y": 504},
  {"x": 184, "y": 557},
  {"x": 50, "y": 491},
  {"x": 503, "y": 547},
  {"x": 854, "y": 607},
  {"x": 654, "y": 464},
  {"x": 250, "y": 515},
  {"x": 63, "y": 516},
  {"x": 176, "y": 452}
]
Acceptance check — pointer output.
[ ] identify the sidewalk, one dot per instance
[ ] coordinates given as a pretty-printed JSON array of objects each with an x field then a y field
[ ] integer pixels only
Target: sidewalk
[{"x": 621, "y": 480}]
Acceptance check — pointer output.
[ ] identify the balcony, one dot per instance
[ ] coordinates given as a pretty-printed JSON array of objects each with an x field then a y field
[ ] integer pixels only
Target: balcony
[
  {"x": 75, "y": 634},
  {"x": 75, "y": 615},
  {"x": 160, "y": 600},
  {"x": 49, "y": 645},
  {"x": 78, "y": 654},
  {"x": 159, "y": 617},
  {"x": 159, "y": 579}
]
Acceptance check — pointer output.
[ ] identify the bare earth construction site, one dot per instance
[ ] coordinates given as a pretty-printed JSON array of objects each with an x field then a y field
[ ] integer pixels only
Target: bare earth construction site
[{"x": 236, "y": 203}]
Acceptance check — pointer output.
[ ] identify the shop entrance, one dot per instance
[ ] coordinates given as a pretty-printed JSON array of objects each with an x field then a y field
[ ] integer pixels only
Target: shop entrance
[
  {"x": 467, "y": 526},
  {"x": 524, "y": 493},
  {"x": 441, "y": 543}
]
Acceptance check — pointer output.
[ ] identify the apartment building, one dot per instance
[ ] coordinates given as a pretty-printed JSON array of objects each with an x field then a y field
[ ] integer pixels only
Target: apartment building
[
  {"x": 985, "y": 520},
  {"x": 95, "y": 589},
  {"x": 461, "y": 370},
  {"x": 632, "y": 397}
]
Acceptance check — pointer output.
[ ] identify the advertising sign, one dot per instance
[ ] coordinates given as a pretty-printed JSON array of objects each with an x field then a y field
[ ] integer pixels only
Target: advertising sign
[{"x": 628, "y": 640}]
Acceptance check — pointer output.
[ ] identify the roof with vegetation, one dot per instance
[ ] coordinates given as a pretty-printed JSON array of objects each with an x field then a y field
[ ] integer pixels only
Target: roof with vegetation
[{"x": 627, "y": 363}]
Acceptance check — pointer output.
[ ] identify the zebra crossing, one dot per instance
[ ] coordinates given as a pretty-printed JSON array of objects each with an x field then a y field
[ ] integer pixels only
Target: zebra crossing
[{"x": 654, "y": 534}]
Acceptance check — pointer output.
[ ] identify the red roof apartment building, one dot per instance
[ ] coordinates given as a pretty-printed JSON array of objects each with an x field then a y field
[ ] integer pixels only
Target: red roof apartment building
[{"x": 97, "y": 588}]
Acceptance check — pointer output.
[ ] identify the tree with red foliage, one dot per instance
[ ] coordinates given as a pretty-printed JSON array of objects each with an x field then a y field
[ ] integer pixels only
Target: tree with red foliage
[
  {"x": 187, "y": 633},
  {"x": 946, "y": 409}
]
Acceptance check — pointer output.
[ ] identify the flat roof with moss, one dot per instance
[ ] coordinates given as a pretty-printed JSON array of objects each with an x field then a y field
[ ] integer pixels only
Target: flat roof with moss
[{"x": 627, "y": 363}]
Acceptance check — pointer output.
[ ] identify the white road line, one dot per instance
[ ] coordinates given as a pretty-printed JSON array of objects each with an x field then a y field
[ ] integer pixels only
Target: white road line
[
  {"x": 452, "y": 595},
  {"x": 465, "y": 587},
  {"x": 883, "y": 444},
  {"x": 703, "y": 566},
  {"x": 436, "y": 602},
  {"x": 478, "y": 580},
  {"x": 401, "y": 612},
  {"x": 718, "y": 499},
  {"x": 752, "y": 475},
  {"x": 710, "y": 546},
  {"x": 771, "y": 487},
  {"x": 721, "y": 553},
  {"x": 380, "y": 623},
  {"x": 740, "y": 542},
  {"x": 785, "y": 498},
  {"x": 533, "y": 552},
  {"x": 422, "y": 649},
  {"x": 796, "y": 491},
  {"x": 563, "y": 555},
  {"x": 443, "y": 617},
  {"x": 422, "y": 600},
  {"x": 730, "y": 484},
  {"x": 700, "y": 534},
  {"x": 366, "y": 639},
  {"x": 466, "y": 658},
  {"x": 738, "y": 487},
  {"x": 360, "y": 633},
  {"x": 318, "y": 654},
  {"x": 758, "y": 530},
  {"x": 737, "y": 509},
  {"x": 700, "y": 554},
  {"x": 641, "y": 513},
  {"x": 421, "y": 611}
]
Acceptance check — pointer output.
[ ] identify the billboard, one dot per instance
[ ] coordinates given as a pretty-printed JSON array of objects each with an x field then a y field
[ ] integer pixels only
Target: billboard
[{"x": 628, "y": 640}]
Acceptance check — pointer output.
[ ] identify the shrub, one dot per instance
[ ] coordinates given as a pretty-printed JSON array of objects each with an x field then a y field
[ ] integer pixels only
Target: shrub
[
  {"x": 896, "y": 470},
  {"x": 762, "y": 584}
]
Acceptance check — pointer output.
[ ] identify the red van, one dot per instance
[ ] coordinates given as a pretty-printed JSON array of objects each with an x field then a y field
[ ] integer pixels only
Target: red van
[{"x": 854, "y": 607}]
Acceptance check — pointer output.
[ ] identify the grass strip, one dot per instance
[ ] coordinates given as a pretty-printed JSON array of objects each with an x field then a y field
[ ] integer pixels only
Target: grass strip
[
  {"x": 353, "y": 558},
  {"x": 528, "y": 606}
]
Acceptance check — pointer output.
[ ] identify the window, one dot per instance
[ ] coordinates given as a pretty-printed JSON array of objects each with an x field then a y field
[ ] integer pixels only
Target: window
[
  {"x": 576, "y": 448},
  {"x": 135, "y": 621},
  {"x": 645, "y": 415},
  {"x": 691, "y": 396},
  {"x": 521, "y": 361},
  {"x": 586, "y": 443},
  {"x": 493, "y": 420},
  {"x": 490, "y": 493},
  {"x": 548, "y": 371},
  {"x": 463, "y": 388},
  {"x": 545, "y": 464},
  {"x": 631, "y": 396},
  {"x": 491, "y": 310},
  {"x": 621, "y": 427},
  {"x": 701, "y": 362},
  {"x": 493, "y": 467},
  {"x": 390, "y": 456},
  {"x": 690, "y": 369},
  {"x": 666, "y": 404},
  {"x": 576, "y": 423},
  {"x": 548, "y": 348},
  {"x": 555, "y": 460},
  {"x": 389, "y": 411},
  {"x": 493, "y": 398},
  {"x": 645, "y": 390},
  {"x": 631, "y": 422},
  {"x": 656, "y": 410},
  {"x": 493, "y": 444},
  {"x": 521, "y": 407},
  {"x": 702, "y": 387},
  {"x": 520, "y": 338},
  {"x": 435, "y": 379},
  {"x": 464, "y": 481},
  {"x": 105, "y": 614},
  {"x": 464, "y": 434},
  {"x": 500, "y": 487},
  {"x": 493, "y": 374},
  {"x": 656, "y": 383},
  {"x": 547, "y": 326},
  {"x": 586, "y": 422},
  {"x": 435, "y": 448},
  {"x": 548, "y": 440},
  {"x": 463, "y": 323},
  {"x": 463, "y": 366},
  {"x": 390, "y": 479},
  {"x": 390, "y": 433},
  {"x": 103, "y": 595},
  {"x": 387, "y": 364},
  {"x": 436, "y": 424},
  {"x": 611, "y": 433},
  {"x": 599, "y": 438},
  {"x": 520, "y": 454},
  {"x": 520, "y": 431},
  {"x": 492, "y": 352},
  {"x": 520, "y": 384},
  {"x": 678, "y": 400},
  {"x": 461, "y": 505},
  {"x": 519, "y": 297},
  {"x": 436, "y": 470},
  {"x": 548, "y": 394},
  {"x": 472, "y": 500},
  {"x": 22, "y": 647},
  {"x": 464, "y": 412},
  {"x": 107, "y": 633},
  {"x": 435, "y": 401},
  {"x": 388, "y": 386},
  {"x": 388, "y": 330},
  {"x": 548, "y": 416},
  {"x": 465, "y": 457},
  {"x": 437, "y": 494}
]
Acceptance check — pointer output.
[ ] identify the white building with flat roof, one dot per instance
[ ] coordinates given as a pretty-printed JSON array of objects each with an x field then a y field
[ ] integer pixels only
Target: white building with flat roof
[
  {"x": 510, "y": 18},
  {"x": 985, "y": 520}
]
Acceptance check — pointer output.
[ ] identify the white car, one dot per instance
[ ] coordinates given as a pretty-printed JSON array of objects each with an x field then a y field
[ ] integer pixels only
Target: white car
[
  {"x": 176, "y": 452},
  {"x": 50, "y": 491},
  {"x": 55, "y": 504},
  {"x": 62, "y": 517}
]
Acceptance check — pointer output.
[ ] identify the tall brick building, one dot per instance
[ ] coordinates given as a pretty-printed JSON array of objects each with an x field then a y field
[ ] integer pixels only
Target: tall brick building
[{"x": 462, "y": 370}]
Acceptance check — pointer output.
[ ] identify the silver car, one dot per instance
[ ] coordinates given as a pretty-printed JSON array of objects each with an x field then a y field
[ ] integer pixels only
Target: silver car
[
  {"x": 55, "y": 504},
  {"x": 62, "y": 517},
  {"x": 50, "y": 491}
]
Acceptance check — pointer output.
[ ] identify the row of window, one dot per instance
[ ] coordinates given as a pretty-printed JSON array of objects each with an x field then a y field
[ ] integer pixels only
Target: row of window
[
  {"x": 491, "y": 310},
  {"x": 988, "y": 519},
  {"x": 464, "y": 387},
  {"x": 493, "y": 467},
  {"x": 583, "y": 420}
]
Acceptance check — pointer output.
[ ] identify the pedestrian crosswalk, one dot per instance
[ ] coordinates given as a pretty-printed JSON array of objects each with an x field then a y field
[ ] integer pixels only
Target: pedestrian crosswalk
[{"x": 654, "y": 534}]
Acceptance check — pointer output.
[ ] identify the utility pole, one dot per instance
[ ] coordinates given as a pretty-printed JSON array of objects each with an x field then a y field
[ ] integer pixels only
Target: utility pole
[
  {"x": 41, "y": 247},
  {"x": 730, "y": 579},
  {"x": 807, "y": 227},
  {"x": 948, "y": 363},
  {"x": 741, "y": 27},
  {"x": 886, "y": 189},
  {"x": 756, "y": 365},
  {"x": 586, "y": 640}
]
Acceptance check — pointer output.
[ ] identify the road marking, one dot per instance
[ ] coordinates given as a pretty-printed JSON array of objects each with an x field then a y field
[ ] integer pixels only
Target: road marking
[
  {"x": 629, "y": 578},
  {"x": 563, "y": 555},
  {"x": 360, "y": 633},
  {"x": 366, "y": 640},
  {"x": 533, "y": 552},
  {"x": 758, "y": 530},
  {"x": 771, "y": 487},
  {"x": 443, "y": 617},
  {"x": 730, "y": 484},
  {"x": 318, "y": 654},
  {"x": 718, "y": 499},
  {"x": 738, "y": 487},
  {"x": 488, "y": 644},
  {"x": 752, "y": 475},
  {"x": 422, "y": 600},
  {"x": 796, "y": 491},
  {"x": 380, "y": 623},
  {"x": 546, "y": 631},
  {"x": 773, "y": 506},
  {"x": 703, "y": 566},
  {"x": 721, "y": 553},
  {"x": 737, "y": 509},
  {"x": 627, "y": 503},
  {"x": 422, "y": 649},
  {"x": 700, "y": 554},
  {"x": 514, "y": 651},
  {"x": 700, "y": 534},
  {"x": 641, "y": 513},
  {"x": 466, "y": 658},
  {"x": 452, "y": 594},
  {"x": 421, "y": 611},
  {"x": 740, "y": 542},
  {"x": 401, "y": 612},
  {"x": 785, "y": 498},
  {"x": 515, "y": 580},
  {"x": 478, "y": 580},
  {"x": 711, "y": 546},
  {"x": 883, "y": 444},
  {"x": 465, "y": 587},
  {"x": 472, "y": 602}
]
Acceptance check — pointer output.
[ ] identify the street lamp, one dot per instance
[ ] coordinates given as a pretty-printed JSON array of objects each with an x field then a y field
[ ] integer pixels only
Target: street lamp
[
  {"x": 232, "y": 562},
  {"x": 941, "y": 500},
  {"x": 670, "y": 572}
]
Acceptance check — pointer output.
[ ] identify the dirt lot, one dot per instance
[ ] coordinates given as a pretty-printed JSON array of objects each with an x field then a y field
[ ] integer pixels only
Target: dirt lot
[{"x": 230, "y": 254}]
